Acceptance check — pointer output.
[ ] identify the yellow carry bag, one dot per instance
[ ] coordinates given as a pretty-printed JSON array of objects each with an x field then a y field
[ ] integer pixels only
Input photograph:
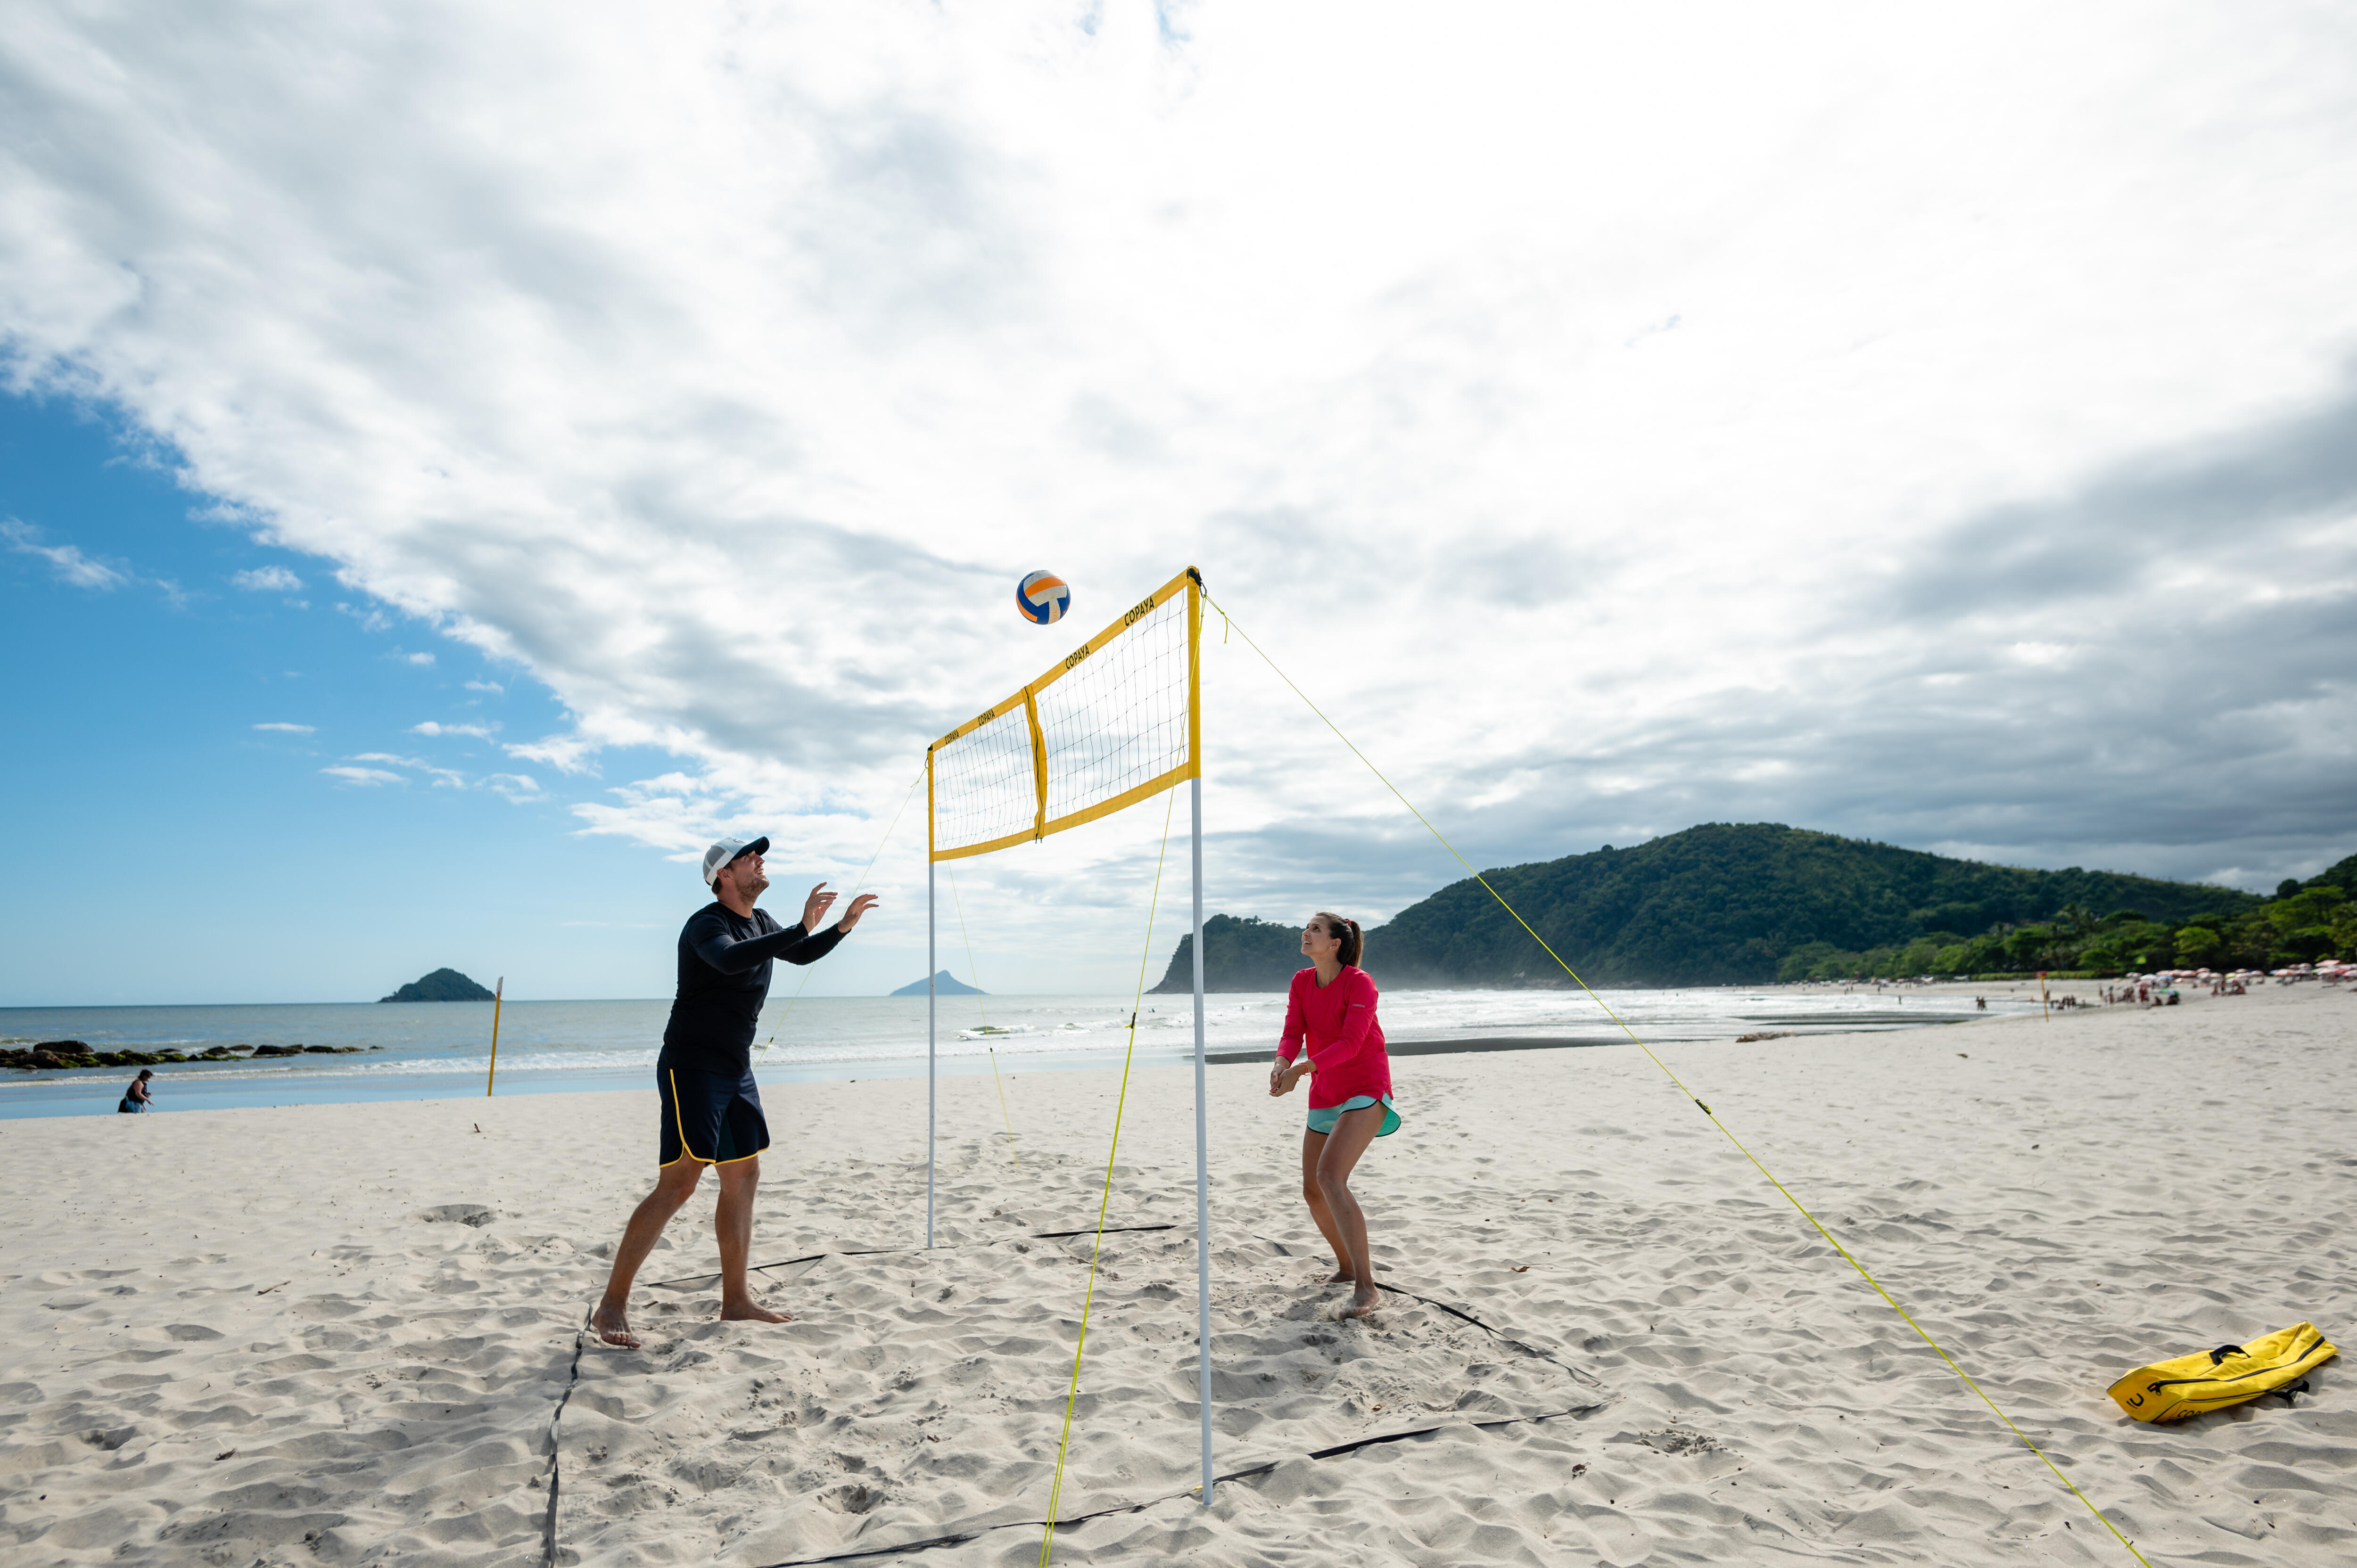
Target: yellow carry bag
[{"x": 2212, "y": 1379}]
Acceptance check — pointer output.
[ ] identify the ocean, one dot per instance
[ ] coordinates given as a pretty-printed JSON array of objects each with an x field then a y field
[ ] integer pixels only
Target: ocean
[{"x": 442, "y": 1050}]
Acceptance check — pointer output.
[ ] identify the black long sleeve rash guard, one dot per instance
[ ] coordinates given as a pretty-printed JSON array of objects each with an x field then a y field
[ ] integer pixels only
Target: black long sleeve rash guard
[{"x": 725, "y": 962}]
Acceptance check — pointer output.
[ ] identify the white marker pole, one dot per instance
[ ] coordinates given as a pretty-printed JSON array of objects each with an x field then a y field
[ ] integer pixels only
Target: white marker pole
[{"x": 1203, "y": 1169}]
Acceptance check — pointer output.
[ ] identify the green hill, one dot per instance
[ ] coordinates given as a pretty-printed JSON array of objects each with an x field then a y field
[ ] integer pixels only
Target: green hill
[
  {"x": 1741, "y": 902},
  {"x": 1238, "y": 954}
]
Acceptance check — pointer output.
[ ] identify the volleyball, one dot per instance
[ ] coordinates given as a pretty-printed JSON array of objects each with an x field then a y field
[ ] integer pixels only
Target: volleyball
[{"x": 1043, "y": 597}]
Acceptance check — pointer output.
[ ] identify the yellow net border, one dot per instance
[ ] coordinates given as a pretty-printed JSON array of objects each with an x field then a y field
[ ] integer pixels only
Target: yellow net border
[{"x": 1026, "y": 700}]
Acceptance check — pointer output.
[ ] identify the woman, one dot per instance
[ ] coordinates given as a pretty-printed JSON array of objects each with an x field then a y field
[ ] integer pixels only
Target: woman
[
  {"x": 136, "y": 1098},
  {"x": 1332, "y": 1008}
]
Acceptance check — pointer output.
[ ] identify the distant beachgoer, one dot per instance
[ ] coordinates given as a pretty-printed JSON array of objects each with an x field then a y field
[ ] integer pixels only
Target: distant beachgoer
[
  {"x": 1980, "y": 1004},
  {"x": 137, "y": 1098},
  {"x": 1329, "y": 1019},
  {"x": 711, "y": 1108}
]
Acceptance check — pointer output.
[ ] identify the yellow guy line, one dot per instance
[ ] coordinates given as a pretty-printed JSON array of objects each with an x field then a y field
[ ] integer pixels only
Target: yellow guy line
[
  {"x": 979, "y": 1007},
  {"x": 854, "y": 894},
  {"x": 1063, "y": 1443},
  {"x": 1003, "y": 1112},
  {"x": 1706, "y": 1110}
]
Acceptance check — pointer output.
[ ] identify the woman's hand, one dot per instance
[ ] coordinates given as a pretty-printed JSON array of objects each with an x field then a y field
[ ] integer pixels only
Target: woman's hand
[{"x": 1283, "y": 1075}]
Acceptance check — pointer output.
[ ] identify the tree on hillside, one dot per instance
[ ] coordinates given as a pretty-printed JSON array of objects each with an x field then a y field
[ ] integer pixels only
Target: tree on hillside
[{"x": 2304, "y": 923}]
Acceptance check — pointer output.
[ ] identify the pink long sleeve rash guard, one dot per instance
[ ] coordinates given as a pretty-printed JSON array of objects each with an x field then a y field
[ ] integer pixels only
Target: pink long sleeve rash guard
[{"x": 1346, "y": 1044}]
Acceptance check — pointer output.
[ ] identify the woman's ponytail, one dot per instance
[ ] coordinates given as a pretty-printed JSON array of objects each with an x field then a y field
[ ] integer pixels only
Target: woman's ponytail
[{"x": 1347, "y": 932}]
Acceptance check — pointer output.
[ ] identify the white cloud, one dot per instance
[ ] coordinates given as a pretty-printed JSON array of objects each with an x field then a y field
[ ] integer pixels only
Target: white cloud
[
  {"x": 364, "y": 776},
  {"x": 419, "y": 659},
  {"x": 515, "y": 787},
  {"x": 1585, "y": 417},
  {"x": 566, "y": 754},
  {"x": 430, "y": 727},
  {"x": 268, "y": 580},
  {"x": 289, "y": 729},
  {"x": 70, "y": 564},
  {"x": 491, "y": 686}
]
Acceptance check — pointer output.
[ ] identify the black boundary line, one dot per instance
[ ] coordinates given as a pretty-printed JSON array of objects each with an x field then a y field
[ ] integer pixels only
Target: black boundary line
[
  {"x": 1339, "y": 1451},
  {"x": 880, "y": 1251},
  {"x": 555, "y": 1453},
  {"x": 959, "y": 1538},
  {"x": 1524, "y": 1346}
]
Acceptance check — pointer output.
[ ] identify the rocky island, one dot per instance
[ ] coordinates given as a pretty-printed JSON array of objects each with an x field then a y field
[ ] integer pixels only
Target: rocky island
[
  {"x": 442, "y": 985},
  {"x": 943, "y": 985}
]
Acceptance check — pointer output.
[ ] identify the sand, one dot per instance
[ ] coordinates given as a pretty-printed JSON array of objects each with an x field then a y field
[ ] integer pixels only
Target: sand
[{"x": 350, "y": 1334}]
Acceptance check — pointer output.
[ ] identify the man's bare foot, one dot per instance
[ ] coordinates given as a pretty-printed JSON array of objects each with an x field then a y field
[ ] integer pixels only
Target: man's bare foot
[
  {"x": 751, "y": 1311},
  {"x": 613, "y": 1327},
  {"x": 1363, "y": 1302}
]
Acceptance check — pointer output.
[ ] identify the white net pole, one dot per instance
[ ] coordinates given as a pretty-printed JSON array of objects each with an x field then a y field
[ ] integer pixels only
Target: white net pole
[
  {"x": 1202, "y": 1167},
  {"x": 931, "y": 969}
]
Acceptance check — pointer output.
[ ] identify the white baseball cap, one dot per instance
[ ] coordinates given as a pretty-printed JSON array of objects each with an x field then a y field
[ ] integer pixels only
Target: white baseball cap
[{"x": 727, "y": 850}]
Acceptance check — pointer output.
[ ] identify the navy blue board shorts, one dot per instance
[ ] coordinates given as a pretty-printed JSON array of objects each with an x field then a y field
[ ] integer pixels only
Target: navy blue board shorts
[{"x": 711, "y": 1118}]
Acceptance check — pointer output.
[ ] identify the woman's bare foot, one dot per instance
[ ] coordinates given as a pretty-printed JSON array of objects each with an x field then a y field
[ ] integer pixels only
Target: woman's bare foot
[
  {"x": 613, "y": 1327},
  {"x": 751, "y": 1311},
  {"x": 1363, "y": 1302},
  {"x": 1340, "y": 1277}
]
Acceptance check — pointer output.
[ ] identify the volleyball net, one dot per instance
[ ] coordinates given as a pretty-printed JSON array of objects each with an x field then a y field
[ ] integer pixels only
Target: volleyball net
[{"x": 1117, "y": 721}]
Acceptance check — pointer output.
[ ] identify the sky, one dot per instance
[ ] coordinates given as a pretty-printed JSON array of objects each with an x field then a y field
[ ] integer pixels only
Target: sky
[{"x": 455, "y": 461}]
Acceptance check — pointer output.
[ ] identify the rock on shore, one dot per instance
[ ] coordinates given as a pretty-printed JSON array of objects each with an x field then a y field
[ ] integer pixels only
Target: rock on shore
[{"x": 55, "y": 1054}]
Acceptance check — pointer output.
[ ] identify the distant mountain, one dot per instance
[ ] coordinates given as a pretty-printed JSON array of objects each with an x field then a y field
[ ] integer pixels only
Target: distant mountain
[
  {"x": 1727, "y": 904},
  {"x": 943, "y": 985},
  {"x": 1238, "y": 954},
  {"x": 442, "y": 985}
]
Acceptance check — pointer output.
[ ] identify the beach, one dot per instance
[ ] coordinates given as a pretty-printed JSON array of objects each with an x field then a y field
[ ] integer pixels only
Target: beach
[
  {"x": 434, "y": 1050},
  {"x": 349, "y": 1333}
]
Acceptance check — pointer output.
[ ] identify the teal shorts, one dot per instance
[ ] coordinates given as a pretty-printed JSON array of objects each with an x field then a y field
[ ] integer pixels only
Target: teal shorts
[{"x": 1323, "y": 1121}]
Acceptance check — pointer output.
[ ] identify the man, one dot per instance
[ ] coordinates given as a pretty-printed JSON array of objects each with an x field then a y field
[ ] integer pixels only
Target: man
[{"x": 711, "y": 1107}]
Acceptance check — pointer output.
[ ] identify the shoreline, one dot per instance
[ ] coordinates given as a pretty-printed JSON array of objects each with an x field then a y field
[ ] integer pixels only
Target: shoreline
[
  {"x": 376, "y": 1053},
  {"x": 339, "y": 1076}
]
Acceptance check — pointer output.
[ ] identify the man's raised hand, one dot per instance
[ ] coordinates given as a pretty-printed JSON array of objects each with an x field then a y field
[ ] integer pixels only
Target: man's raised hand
[
  {"x": 859, "y": 906},
  {"x": 815, "y": 906}
]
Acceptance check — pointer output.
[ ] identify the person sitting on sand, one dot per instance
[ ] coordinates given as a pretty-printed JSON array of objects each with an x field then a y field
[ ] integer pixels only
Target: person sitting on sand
[
  {"x": 138, "y": 1096},
  {"x": 1333, "y": 1009},
  {"x": 711, "y": 1108}
]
